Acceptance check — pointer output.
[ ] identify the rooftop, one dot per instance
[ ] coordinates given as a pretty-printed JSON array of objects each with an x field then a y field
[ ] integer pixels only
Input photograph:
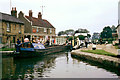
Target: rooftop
[
  {"x": 9, "y": 18},
  {"x": 39, "y": 22}
]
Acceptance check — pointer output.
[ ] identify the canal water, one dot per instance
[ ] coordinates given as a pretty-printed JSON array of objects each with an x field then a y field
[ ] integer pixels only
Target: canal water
[{"x": 60, "y": 65}]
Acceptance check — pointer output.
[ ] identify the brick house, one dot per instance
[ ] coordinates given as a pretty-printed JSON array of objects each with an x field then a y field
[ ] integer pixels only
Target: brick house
[
  {"x": 11, "y": 28},
  {"x": 37, "y": 28}
]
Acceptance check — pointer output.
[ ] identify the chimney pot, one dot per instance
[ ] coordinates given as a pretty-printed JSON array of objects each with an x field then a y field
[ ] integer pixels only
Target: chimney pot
[{"x": 14, "y": 11}]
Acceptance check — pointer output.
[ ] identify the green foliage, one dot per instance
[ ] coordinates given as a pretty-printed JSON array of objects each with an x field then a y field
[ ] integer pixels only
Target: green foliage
[
  {"x": 106, "y": 33},
  {"x": 7, "y": 49},
  {"x": 88, "y": 35},
  {"x": 101, "y": 52},
  {"x": 113, "y": 29},
  {"x": 69, "y": 32},
  {"x": 70, "y": 38},
  {"x": 61, "y": 33},
  {"x": 82, "y": 31},
  {"x": 81, "y": 37}
]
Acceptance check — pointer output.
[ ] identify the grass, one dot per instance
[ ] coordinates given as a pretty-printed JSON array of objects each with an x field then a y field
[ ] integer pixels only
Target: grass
[
  {"x": 7, "y": 49},
  {"x": 116, "y": 46},
  {"x": 101, "y": 52}
]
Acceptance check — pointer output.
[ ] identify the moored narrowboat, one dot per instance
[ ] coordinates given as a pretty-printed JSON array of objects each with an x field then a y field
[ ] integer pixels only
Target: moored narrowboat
[{"x": 28, "y": 49}]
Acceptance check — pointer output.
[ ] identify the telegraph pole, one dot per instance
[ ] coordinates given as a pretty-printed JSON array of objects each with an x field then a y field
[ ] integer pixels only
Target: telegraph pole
[
  {"x": 10, "y": 6},
  {"x": 42, "y": 9}
]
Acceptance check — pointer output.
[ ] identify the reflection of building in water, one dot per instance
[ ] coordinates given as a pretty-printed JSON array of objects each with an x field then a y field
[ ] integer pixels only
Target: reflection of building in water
[
  {"x": 8, "y": 68},
  {"x": 27, "y": 68},
  {"x": 41, "y": 67}
]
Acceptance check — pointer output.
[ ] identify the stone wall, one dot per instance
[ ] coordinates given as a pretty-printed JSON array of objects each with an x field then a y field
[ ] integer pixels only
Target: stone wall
[
  {"x": 27, "y": 24},
  {"x": 102, "y": 59},
  {"x": 16, "y": 32}
]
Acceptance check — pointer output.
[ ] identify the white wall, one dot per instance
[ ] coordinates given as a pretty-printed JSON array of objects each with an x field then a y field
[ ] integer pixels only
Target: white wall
[
  {"x": 119, "y": 12},
  {"x": 60, "y": 40}
]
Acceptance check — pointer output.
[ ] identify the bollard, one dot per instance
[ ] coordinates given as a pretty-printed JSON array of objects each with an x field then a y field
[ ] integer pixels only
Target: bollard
[
  {"x": 118, "y": 55},
  {"x": 94, "y": 47}
]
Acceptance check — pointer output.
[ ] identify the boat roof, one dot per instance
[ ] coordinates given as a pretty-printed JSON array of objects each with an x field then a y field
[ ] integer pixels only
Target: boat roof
[{"x": 33, "y": 45}]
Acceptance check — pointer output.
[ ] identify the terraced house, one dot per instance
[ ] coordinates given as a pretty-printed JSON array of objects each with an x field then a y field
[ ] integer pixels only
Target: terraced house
[
  {"x": 11, "y": 27},
  {"x": 37, "y": 28}
]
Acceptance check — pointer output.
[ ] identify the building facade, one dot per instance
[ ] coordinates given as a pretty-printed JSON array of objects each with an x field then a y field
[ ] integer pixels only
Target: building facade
[
  {"x": 11, "y": 28},
  {"x": 118, "y": 27},
  {"x": 37, "y": 28},
  {"x": 60, "y": 40}
]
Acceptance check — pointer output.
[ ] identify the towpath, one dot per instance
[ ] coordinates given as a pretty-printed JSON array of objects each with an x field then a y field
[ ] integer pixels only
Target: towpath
[
  {"x": 107, "y": 47},
  {"x": 100, "y": 58}
]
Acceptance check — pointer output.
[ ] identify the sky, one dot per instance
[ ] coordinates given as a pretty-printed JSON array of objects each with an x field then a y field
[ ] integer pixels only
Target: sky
[{"x": 92, "y": 15}]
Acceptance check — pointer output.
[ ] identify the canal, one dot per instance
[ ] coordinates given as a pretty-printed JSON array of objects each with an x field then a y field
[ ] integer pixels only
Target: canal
[{"x": 60, "y": 65}]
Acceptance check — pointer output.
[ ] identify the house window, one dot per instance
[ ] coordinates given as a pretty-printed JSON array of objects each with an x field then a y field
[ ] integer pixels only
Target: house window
[
  {"x": 8, "y": 27},
  {"x": 50, "y": 30},
  {"x": 45, "y": 30},
  {"x": 37, "y": 30}
]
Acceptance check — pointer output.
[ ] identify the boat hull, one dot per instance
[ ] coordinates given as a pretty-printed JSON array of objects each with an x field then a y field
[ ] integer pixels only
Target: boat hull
[{"x": 41, "y": 52}]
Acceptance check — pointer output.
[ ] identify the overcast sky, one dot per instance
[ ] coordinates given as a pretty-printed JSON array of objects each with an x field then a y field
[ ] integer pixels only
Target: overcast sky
[{"x": 69, "y": 14}]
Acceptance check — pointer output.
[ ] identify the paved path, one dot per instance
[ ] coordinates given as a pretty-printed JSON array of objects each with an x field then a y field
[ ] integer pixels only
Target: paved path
[
  {"x": 6, "y": 51},
  {"x": 107, "y": 47}
]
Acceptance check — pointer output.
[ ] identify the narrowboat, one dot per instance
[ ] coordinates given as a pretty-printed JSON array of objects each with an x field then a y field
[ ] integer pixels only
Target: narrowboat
[{"x": 28, "y": 49}]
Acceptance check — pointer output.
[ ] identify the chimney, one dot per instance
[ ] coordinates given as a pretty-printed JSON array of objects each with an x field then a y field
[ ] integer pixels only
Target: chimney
[
  {"x": 14, "y": 12},
  {"x": 21, "y": 14},
  {"x": 30, "y": 13},
  {"x": 39, "y": 15}
]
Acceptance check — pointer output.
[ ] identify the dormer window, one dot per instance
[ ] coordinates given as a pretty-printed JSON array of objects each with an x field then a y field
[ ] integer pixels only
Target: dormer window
[
  {"x": 8, "y": 27},
  {"x": 45, "y": 30}
]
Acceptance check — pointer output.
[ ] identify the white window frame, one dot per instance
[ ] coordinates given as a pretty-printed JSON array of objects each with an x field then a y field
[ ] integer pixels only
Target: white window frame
[
  {"x": 45, "y": 30},
  {"x": 50, "y": 30},
  {"x": 8, "y": 27}
]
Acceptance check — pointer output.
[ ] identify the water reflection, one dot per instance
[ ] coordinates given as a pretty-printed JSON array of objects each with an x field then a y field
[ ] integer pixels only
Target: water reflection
[
  {"x": 110, "y": 68},
  {"x": 59, "y": 65},
  {"x": 26, "y": 68}
]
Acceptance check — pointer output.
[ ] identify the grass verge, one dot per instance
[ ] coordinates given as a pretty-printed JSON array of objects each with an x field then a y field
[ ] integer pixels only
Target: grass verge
[
  {"x": 101, "y": 52},
  {"x": 7, "y": 49}
]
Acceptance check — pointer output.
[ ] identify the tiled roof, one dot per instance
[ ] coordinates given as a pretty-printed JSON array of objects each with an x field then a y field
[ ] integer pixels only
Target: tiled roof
[
  {"x": 39, "y": 22},
  {"x": 9, "y": 18}
]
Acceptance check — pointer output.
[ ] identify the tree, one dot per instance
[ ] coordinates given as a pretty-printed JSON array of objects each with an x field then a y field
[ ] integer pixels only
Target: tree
[
  {"x": 82, "y": 31},
  {"x": 88, "y": 35},
  {"x": 70, "y": 38},
  {"x": 96, "y": 35},
  {"x": 106, "y": 33},
  {"x": 113, "y": 29},
  {"x": 69, "y": 32},
  {"x": 81, "y": 37},
  {"x": 61, "y": 33}
]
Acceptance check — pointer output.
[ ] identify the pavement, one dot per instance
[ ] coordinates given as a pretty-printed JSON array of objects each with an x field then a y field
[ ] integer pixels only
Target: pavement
[
  {"x": 107, "y": 47},
  {"x": 6, "y": 51}
]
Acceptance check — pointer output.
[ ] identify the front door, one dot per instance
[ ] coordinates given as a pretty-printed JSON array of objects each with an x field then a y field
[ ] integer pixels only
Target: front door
[{"x": 13, "y": 39}]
